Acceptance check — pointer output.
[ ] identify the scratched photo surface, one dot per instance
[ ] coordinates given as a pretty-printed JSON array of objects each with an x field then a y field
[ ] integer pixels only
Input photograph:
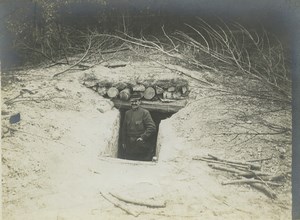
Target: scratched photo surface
[{"x": 150, "y": 109}]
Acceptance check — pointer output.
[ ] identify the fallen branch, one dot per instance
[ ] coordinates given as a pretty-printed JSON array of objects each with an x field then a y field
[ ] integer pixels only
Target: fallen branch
[
  {"x": 147, "y": 204},
  {"x": 116, "y": 65},
  {"x": 11, "y": 100},
  {"x": 247, "y": 167},
  {"x": 252, "y": 166},
  {"x": 114, "y": 51},
  {"x": 25, "y": 99},
  {"x": 246, "y": 173},
  {"x": 232, "y": 170},
  {"x": 278, "y": 177},
  {"x": 54, "y": 64},
  {"x": 80, "y": 60},
  {"x": 264, "y": 189},
  {"x": 249, "y": 181},
  {"x": 120, "y": 206}
]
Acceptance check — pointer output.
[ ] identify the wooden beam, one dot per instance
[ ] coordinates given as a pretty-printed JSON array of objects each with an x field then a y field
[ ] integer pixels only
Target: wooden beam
[{"x": 153, "y": 105}]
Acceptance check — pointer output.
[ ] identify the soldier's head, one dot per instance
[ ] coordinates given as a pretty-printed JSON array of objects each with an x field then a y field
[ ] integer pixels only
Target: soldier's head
[{"x": 135, "y": 100}]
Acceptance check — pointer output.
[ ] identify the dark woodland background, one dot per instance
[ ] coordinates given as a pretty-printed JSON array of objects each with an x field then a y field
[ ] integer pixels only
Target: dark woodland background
[
  {"x": 38, "y": 23},
  {"x": 29, "y": 27}
]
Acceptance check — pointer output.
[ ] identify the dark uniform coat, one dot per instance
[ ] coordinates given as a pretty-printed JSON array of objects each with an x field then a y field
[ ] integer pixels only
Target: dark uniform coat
[{"x": 138, "y": 124}]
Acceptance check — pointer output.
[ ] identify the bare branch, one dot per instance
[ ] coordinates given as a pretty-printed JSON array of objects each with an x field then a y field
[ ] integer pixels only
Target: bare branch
[{"x": 80, "y": 60}]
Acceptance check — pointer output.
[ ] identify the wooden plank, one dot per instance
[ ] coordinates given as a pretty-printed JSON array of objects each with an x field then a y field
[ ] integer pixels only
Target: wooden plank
[{"x": 153, "y": 105}]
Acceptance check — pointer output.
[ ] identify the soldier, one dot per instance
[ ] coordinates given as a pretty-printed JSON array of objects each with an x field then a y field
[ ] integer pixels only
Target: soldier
[{"x": 138, "y": 127}]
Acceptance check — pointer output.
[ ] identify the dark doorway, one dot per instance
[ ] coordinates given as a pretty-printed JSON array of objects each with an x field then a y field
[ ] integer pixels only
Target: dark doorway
[{"x": 157, "y": 116}]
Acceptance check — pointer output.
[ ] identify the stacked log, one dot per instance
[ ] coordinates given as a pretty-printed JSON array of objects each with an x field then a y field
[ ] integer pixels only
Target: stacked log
[
  {"x": 165, "y": 90},
  {"x": 138, "y": 88},
  {"x": 112, "y": 92},
  {"x": 125, "y": 94},
  {"x": 149, "y": 93}
]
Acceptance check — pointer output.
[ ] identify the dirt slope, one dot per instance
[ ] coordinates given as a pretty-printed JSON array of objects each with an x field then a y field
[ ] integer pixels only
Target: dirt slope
[{"x": 54, "y": 168}]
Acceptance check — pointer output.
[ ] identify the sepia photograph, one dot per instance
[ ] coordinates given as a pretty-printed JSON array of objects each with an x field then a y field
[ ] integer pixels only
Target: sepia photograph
[{"x": 150, "y": 109}]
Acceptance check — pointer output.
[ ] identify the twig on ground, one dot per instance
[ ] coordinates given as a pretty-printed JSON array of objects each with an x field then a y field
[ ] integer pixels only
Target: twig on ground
[
  {"x": 11, "y": 100},
  {"x": 278, "y": 177},
  {"x": 120, "y": 206},
  {"x": 262, "y": 159},
  {"x": 249, "y": 181},
  {"x": 157, "y": 204}
]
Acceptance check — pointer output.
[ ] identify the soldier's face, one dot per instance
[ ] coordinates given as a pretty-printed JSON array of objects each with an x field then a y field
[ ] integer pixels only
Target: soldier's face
[{"x": 135, "y": 104}]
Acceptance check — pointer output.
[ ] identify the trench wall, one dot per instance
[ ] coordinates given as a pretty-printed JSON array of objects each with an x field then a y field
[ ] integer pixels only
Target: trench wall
[
  {"x": 168, "y": 144},
  {"x": 111, "y": 149}
]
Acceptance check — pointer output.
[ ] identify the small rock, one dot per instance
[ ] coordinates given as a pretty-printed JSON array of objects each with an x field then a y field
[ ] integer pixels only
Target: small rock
[
  {"x": 78, "y": 94},
  {"x": 59, "y": 88},
  {"x": 5, "y": 130},
  {"x": 281, "y": 150}
]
